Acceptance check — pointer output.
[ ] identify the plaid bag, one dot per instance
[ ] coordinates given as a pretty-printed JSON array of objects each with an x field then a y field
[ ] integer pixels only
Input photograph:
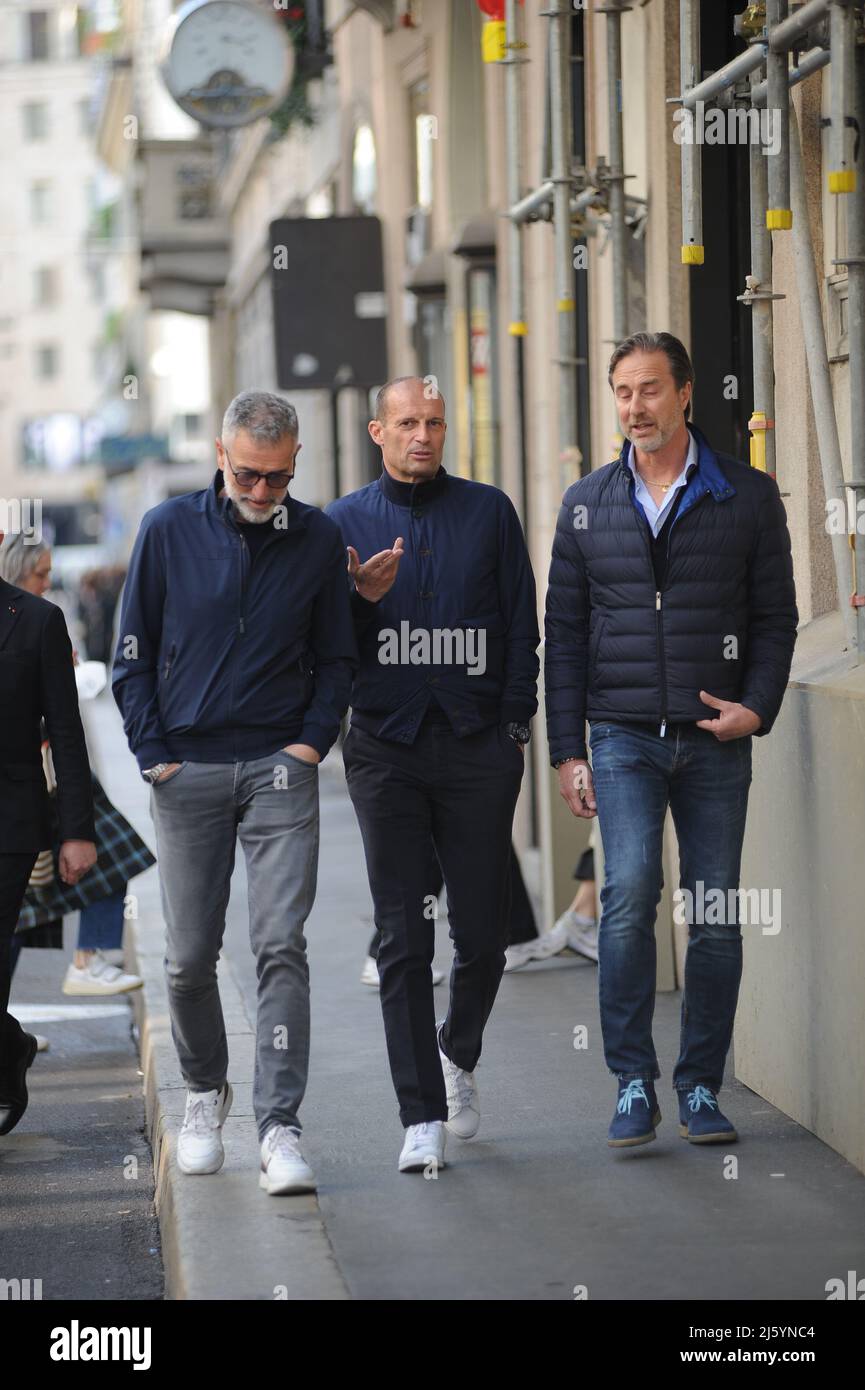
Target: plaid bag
[{"x": 120, "y": 855}]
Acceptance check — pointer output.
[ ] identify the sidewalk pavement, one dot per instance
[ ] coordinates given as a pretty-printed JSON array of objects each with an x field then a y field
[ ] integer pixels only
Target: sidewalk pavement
[{"x": 536, "y": 1208}]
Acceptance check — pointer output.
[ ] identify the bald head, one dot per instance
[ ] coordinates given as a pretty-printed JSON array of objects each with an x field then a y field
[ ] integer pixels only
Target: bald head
[{"x": 409, "y": 427}]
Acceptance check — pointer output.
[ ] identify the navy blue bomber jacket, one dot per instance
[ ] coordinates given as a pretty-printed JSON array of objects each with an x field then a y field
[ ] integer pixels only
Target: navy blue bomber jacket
[
  {"x": 222, "y": 660},
  {"x": 724, "y": 620},
  {"x": 464, "y": 587}
]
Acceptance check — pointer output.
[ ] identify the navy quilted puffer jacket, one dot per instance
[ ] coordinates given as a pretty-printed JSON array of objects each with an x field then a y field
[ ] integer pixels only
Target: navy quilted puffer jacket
[{"x": 618, "y": 649}]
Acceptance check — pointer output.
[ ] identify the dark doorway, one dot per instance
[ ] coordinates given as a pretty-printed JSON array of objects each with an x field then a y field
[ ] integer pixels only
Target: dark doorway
[{"x": 720, "y": 326}]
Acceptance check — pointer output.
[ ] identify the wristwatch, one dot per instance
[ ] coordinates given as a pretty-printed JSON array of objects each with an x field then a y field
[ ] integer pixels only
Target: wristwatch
[
  {"x": 152, "y": 774},
  {"x": 571, "y": 758},
  {"x": 520, "y": 733}
]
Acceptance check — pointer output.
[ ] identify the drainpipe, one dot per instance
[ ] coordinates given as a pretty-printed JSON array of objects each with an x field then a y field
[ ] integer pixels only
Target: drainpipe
[
  {"x": 560, "y": 116},
  {"x": 692, "y": 189},
  {"x": 814, "y": 335},
  {"x": 855, "y": 262},
  {"x": 779, "y": 217}
]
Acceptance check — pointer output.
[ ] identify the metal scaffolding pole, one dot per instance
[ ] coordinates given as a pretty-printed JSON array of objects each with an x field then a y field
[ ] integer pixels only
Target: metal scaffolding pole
[
  {"x": 819, "y": 380},
  {"x": 692, "y": 189},
  {"x": 517, "y": 327},
  {"x": 786, "y": 35},
  {"x": 759, "y": 296},
  {"x": 616, "y": 170},
  {"x": 560, "y": 103},
  {"x": 855, "y": 262},
  {"x": 812, "y": 61},
  {"x": 779, "y": 217},
  {"x": 842, "y": 43}
]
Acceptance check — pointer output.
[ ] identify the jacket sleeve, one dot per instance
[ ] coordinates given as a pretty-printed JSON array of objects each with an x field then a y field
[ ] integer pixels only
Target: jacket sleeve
[
  {"x": 566, "y": 627},
  {"x": 362, "y": 610},
  {"x": 772, "y": 612},
  {"x": 334, "y": 647},
  {"x": 59, "y": 699},
  {"x": 518, "y": 602},
  {"x": 134, "y": 680}
]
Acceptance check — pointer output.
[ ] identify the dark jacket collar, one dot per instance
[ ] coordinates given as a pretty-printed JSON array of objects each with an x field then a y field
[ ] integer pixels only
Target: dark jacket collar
[{"x": 412, "y": 494}]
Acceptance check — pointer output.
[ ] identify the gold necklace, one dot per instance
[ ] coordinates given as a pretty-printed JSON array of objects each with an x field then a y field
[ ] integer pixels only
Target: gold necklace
[{"x": 665, "y": 487}]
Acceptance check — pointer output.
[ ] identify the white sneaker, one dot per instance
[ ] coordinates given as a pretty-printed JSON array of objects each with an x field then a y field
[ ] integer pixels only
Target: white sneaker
[
  {"x": 369, "y": 974},
  {"x": 99, "y": 977},
  {"x": 115, "y": 956},
  {"x": 542, "y": 947},
  {"x": 199, "y": 1144},
  {"x": 464, "y": 1106},
  {"x": 582, "y": 934},
  {"x": 424, "y": 1147},
  {"x": 283, "y": 1167},
  {"x": 42, "y": 1044}
]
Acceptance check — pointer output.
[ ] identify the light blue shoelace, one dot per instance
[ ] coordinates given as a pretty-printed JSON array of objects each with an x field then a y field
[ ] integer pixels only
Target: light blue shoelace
[
  {"x": 634, "y": 1091},
  {"x": 701, "y": 1096}
]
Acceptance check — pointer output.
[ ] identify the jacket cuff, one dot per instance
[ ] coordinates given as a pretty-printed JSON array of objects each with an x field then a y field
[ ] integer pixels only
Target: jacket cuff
[
  {"x": 512, "y": 712},
  {"x": 757, "y": 706},
  {"x": 149, "y": 754},
  {"x": 318, "y": 738},
  {"x": 561, "y": 755}
]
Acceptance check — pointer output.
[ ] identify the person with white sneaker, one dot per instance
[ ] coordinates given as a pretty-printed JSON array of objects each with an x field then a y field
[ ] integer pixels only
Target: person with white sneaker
[
  {"x": 234, "y": 664},
  {"x": 434, "y": 758},
  {"x": 579, "y": 923}
]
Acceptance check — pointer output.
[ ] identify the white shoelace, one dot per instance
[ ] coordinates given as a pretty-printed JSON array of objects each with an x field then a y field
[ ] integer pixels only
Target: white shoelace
[
  {"x": 283, "y": 1142},
  {"x": 200, "y": 1115}
]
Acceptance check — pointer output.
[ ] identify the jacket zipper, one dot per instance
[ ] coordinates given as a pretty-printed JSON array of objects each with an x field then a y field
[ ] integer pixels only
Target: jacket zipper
[
  {"x": 659, "y": 623},
  {"x": 243, "y": 581}
]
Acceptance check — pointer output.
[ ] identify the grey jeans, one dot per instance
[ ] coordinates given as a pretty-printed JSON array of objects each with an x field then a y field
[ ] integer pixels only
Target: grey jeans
[{"x": 200, "y": 811}]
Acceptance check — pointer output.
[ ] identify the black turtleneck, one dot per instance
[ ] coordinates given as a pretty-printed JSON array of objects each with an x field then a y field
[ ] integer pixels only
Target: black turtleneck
[{"x": 413, "y": 494}]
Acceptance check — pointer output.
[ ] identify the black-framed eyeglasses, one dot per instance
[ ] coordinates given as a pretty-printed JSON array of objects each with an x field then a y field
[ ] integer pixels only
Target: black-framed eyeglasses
[{"x": 247, "y": 477}]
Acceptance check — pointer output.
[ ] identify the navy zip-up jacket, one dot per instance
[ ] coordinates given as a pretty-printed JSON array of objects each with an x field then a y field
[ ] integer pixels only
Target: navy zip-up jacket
[
  {"x": 220, "y": 660},
  {"x": 617, "y": 648},
  {"x": 465, "y": 566}
]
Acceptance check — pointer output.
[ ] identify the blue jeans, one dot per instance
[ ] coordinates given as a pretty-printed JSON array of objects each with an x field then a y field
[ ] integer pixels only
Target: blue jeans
[
  {"x": 101, "y": 925},
  {"x": 637, "y": 774}
]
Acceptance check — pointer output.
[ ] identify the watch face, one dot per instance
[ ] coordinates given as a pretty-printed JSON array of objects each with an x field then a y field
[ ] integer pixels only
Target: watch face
[{"x": 229, "y": 62}]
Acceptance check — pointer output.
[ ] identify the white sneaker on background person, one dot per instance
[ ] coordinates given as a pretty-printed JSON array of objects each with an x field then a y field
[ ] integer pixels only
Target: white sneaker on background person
[
  {"x": 42, "y": 1044},
  {"x": 283, "y": 1167},
  {"x": 98, "y": 976},
  {"x": 115, "y": 956},
  {"x": 369, "y": 974},
  {"x": 424, "y": 1145},
  {"x": 464, "y": 1105},
  {"x": 582, "y": 933},
  {"x": 542, "y": 947},
  {"x": 199, "y": 1143}
]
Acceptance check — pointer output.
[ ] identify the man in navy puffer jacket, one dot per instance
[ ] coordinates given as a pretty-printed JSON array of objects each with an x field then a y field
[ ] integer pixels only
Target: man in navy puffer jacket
[
  {"x": 234, "y": 663},
  {"x": 670, "y": 625},
  {"x": 447, "y": 634}
]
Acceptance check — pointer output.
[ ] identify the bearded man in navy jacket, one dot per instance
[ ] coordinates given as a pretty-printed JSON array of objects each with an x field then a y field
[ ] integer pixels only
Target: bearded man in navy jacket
[
  {"x": 233, "y": 670},
  {"x": 444, "y": 605}
]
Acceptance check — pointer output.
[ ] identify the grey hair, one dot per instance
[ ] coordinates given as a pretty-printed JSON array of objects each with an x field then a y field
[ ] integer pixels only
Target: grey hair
[
  {"x": 268, "y": 418},
  {"x": 381, "y": 397},
  {"x": 680, "y": 363},
  {"x": 19, "y": 555}
]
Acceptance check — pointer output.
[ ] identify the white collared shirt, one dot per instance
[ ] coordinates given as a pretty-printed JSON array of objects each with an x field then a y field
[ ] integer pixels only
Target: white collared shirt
[{"x": 656, "y": 514}]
